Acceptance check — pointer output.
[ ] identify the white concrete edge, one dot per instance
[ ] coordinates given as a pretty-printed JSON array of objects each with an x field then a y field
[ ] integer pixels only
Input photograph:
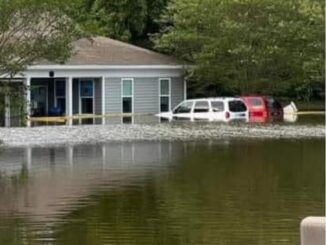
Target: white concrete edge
[{"x": 312, "y": 230}]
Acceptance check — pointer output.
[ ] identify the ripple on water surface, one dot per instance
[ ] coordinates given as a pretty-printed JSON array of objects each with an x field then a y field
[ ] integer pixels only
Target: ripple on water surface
[{"x": 161, "y": 192}]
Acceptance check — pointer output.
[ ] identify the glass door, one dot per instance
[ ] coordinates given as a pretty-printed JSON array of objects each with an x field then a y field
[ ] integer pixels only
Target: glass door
[{"x": 39, "y": 100}]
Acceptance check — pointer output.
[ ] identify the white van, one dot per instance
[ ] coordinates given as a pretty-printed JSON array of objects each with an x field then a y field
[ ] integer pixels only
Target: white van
[{"x": 211, "y": 109}]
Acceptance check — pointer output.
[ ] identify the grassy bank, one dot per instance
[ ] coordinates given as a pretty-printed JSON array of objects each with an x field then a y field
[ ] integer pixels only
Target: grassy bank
[
  {"x": 317, "y": 105},
  {"x": 311, "y": 106}
]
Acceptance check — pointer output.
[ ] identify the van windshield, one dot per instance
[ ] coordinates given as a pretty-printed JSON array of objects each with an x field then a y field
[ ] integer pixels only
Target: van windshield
[
  {"x": 185, "y": 107},
  {"x": 237, "y": 106}
]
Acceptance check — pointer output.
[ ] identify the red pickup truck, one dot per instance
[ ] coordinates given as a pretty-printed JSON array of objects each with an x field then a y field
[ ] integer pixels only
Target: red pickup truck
[{"x": 263, "y": 108}]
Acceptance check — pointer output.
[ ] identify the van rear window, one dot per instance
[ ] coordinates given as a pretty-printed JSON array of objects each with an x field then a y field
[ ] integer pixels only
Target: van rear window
[
  {"x": 255, "y": 102},
  {"x": 237, "y": 106}
]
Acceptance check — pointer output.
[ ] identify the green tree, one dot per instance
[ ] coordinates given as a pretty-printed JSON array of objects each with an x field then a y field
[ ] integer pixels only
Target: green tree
[
  {"x": 33, "y": 30},
  {"x": 248, "y": 46},
  {"x": 126, "y": 20}
]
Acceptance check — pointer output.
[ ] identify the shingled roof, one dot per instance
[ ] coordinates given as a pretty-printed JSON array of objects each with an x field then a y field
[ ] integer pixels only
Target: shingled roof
[{"x": 106, "y": 51}]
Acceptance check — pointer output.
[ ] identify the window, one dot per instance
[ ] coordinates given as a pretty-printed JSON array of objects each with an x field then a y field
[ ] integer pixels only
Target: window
[
  {"x": 201, "y": 106},
  {"x": 86, "y": 88},
  {"x": 86, "y": 91},
  {"x": 87, "y": 105},
  {"x": 217, "y": 106},
  {"x": 60, "y": 95},
  {"x": 127, "y": 95},
  {"x": 237, "y": 106},
  {"x": 165, "y": 89},
  {"x": 60, "y": 87},
  {"x": 61, "y": 103},
  {"x": 185, "y": 107}
]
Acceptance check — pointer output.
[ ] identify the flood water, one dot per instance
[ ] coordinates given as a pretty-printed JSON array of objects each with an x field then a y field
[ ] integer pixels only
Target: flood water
[{"x": 235, "y": 191}]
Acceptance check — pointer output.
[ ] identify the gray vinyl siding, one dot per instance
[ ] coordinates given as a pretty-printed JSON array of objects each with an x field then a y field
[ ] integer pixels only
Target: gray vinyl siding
[
  {"x": 113, "y": 103},
  {"x": 98, "y": 96},
  {"x": 146, "y": 98},
  {"x": 146, "y": 94},
  {"x": 177, "y": 91}
]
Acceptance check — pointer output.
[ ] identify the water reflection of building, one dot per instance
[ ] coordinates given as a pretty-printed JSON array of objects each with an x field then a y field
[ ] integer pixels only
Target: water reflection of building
[{"x": 42, "y": 182}]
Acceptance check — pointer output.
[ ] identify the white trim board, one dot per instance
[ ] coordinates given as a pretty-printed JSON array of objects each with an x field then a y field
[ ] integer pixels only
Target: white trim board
[
  {"x": 111, "y": 73},
  {"x": 105, "y": 67}
]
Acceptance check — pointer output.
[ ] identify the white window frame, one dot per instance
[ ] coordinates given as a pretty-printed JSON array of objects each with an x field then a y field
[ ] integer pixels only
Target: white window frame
[
  {"x": 129, "y": 96},
  {"x": 85, "y": 97},
  {"x": 163, "y": 95}
]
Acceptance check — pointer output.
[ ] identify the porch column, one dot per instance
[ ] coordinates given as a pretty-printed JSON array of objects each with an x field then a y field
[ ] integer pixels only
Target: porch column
[
  {"x": 7, "y": 111},
  {"x": 28, "y": 101},
  {"x": 103, "y": 101},
  {"x": 69, "y": 100}
]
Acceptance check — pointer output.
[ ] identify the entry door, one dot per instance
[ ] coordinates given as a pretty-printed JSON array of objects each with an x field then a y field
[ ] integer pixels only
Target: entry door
[
  {"x": 86, "y": 92},
  {"x": 39, "y": 98}
]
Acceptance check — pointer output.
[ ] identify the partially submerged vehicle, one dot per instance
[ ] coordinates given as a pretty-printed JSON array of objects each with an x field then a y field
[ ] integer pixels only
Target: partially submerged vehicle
[
  {"x": 263, "y": 108},
  {"x": 211, "y": 109}
]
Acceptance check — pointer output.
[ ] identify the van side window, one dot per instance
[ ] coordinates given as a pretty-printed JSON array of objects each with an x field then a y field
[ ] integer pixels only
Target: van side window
[
  {"x": 185, "y": 107},
  {"x": 217, "y": 106},
  {"x": 201, "y": 106}
]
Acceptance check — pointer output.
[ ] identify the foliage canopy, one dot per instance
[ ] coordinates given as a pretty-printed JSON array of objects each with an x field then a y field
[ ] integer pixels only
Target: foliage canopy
[
  {"x": 248, "y": 46},
  {"x": 127, "y": 20},
  {"x": 32, "y": 30}
]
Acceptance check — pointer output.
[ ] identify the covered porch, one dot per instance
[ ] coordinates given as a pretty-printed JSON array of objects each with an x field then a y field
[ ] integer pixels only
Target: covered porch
[{"x": 60, "y": 99}]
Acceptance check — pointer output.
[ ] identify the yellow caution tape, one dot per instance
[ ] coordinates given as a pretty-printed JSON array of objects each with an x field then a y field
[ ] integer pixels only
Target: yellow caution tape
[{"x": 306, "y": 113}]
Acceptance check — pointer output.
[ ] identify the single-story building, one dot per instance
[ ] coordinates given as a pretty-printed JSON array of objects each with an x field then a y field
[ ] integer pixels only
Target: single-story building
[{"x": 102, "y": 77}]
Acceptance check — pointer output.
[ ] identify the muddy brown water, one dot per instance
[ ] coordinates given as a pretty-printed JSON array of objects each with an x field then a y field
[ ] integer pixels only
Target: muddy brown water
[{"x": 232, "y": 191}]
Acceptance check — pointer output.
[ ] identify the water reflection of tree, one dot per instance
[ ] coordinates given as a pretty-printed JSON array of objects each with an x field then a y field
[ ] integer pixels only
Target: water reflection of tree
[
  {"x": 255, "y": 193},
  {"x": 13, "y": 226}
]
